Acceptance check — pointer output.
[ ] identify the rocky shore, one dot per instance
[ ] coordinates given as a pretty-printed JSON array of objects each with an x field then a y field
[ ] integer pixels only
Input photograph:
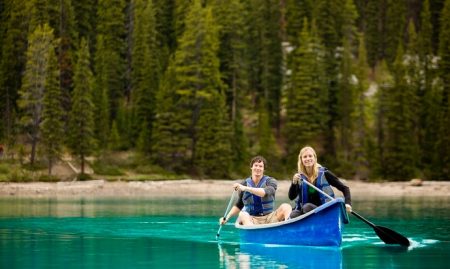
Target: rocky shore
[{"x": 204, "y": 188}]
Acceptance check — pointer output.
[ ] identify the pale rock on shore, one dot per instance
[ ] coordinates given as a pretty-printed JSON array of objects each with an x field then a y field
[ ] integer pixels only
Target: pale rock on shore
[{"x": 204, "y": 188}]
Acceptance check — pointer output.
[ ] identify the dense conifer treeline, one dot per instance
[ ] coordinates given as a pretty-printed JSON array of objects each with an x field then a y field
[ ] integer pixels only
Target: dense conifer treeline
[{"x": 199, "y": 86}]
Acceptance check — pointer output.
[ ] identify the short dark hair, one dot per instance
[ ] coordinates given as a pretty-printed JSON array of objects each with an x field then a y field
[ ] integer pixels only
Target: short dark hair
[{"x": 258, "y": 159}]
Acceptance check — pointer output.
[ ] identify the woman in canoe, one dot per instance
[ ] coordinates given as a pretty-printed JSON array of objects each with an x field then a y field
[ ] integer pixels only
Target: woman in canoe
[{"x": 307, "y": 197}]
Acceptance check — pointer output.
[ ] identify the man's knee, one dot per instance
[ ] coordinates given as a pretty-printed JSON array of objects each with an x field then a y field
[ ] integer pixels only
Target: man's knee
[
  {"x": 283, "y": 211},
  {"x": 244, "y": 218}
]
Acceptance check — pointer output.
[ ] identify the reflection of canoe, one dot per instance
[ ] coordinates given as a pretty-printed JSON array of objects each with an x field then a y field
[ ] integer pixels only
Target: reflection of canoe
[
  {"x": 293, "y": 256},
  {"x": 279, "y": 256},
  {"x": 321, "y": 227}
]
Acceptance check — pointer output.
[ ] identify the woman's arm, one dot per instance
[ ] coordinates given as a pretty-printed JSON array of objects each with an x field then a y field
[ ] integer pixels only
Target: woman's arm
[
  {"x": 293, "y": 189},
  {"x": 335, "y": 182}
]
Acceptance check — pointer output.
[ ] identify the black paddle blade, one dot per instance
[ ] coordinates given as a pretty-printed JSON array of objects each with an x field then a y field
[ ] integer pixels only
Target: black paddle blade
[{"x": 391, "y": 237}]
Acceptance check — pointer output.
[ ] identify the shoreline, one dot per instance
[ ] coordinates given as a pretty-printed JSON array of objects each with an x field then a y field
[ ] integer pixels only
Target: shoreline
[{"x": 190, "y": 188}]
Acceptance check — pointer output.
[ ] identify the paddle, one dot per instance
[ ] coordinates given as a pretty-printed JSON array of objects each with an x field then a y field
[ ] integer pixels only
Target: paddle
[
  {"x": 226, "y": 212},
  {"x": 387, "y": 235}
]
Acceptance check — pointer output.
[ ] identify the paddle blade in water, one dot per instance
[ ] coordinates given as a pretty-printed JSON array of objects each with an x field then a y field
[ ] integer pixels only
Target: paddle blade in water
[{"x": 390, "y": 237}]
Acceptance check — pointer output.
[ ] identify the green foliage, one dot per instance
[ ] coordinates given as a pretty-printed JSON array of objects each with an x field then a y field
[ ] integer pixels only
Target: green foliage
[
  {"x": 296, "y": 12},
  {"x": 442, "y": 149},
  {"x": 396, "y": 28},
  {"x": 48, "y": 178},
  {"x": 234, "y": 71},
  {"x": 20, "y": 175},
  {"x": 38, "y": 11},
  {"x": 346, "y": 97},
  {"x": 83, "y": 177},
  {"x": 34, "y": 83},
  {"x": 400, "y": 144},
  {"x": 305, "y": 96},
  {"x": 145, "y": 70},
  {"x": 100, "y": 95},
  {"x": 363, "y": 122},
  {"x": 114, "y": 138},
  {"x": 266, "y": 143},
  {"x": 109, "y": 58},
  {"x": 52, "y": 125},
  {"x": 371, "y": 32},
  {"x": 62, "y": 19},
  {"x": 265, "y": 55},
  {"x": 200, "y": 92},
  {"x": 81, "y": 124},
  {"x": 12, "y": 61},
  {"x": 85, "y": 16},
  {"x": 170, "y": 137},
  {"x": 346, "y": 108},
  {"x": 230, "y": 87},
  {"x": 4, "y": 169},
  {"x": 102, "y": 168}
]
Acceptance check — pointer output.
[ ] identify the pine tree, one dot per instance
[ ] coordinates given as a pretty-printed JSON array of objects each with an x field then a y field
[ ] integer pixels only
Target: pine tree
[
  {"x": 52, "y": 126},
  {"x": 372, "y": 32},
  {"x": 346, "y": 96},
  {"x": 442, "y": 157},
  {"x": 233, "y": 68},
  {"x": 114, "y": 140},
  {"x": 305, "y": 112},
  {"x": 181, "y": 10},
  {"x": 266, "y": 145},
  {"x": 62, "y": 19},
  {"x": 12, "y": 64},
  {"x": 125, "y": 123},
  {"x": 85, "y": 17},
  {"x": 385, "y": 82},
  {"x": 169, "y": 136},
  {"x": 213, "y": 150},
  {"x": 145, "y": 68},
  {"x": 200, "y": 88},
  {"x": 345, "y": 124},
  {"x": 165, "y": 28},
  {"x": 395, "y": 28},
  {"x": 428, "y": 95},
  {"x": 265, "y": 55},
  {"x": 144, "y": 138},
  {"x": 329, "y": 24},
  {"x": 81, "y": 121},
  {"x": 296, "y": 12},
  {"x": 101, "y": 97},
  {"x": 400, "y": 151},
  {"x": 111, "y": 56},
  {"x": 361, "y": 138},
  {"x": 38, "y": 11},
  {"x": 33, "y": 85}
]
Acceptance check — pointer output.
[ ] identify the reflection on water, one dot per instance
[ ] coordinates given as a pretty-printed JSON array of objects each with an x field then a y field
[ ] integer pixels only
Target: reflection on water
[
  {"x": 161, "y": 233},
  {"x": 257, "y": 255}
]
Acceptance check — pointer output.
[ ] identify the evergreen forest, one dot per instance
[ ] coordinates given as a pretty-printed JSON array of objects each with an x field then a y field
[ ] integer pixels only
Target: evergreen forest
[{"x": 198, "y": 87}]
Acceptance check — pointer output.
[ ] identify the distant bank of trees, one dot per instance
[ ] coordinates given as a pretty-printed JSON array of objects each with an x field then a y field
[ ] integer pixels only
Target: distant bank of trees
[{"x": 200, "y": 86}]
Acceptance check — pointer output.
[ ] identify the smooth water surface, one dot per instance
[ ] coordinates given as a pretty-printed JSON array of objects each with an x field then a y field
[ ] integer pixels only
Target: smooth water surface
[{"x": 168, "y": 233}]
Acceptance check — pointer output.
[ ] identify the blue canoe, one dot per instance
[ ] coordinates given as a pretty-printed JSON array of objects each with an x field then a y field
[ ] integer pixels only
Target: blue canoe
[{"x": 321, "y": 227}]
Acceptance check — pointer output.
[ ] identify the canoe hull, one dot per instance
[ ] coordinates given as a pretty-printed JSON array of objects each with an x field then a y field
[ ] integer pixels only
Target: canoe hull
[{"x": 321, "y": 227}]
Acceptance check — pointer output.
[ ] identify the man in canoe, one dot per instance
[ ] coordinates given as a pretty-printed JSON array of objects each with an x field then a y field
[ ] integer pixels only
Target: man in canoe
[
  {"x": 255, "y": 204},
  {"x": 307, "y": 197}
]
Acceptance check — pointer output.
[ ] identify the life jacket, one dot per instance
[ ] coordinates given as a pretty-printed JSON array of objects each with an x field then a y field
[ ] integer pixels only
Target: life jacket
[
  {"x": 255, "y": 205},
  {"x": 321, "y": 183}
]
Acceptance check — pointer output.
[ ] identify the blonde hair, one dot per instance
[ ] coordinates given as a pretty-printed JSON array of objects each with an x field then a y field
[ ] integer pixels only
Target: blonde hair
[{"x": 302, "y": 168}]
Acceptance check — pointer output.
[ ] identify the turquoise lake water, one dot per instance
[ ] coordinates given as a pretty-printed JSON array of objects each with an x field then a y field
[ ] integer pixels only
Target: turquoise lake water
[{"x": 167, "y": 233}]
